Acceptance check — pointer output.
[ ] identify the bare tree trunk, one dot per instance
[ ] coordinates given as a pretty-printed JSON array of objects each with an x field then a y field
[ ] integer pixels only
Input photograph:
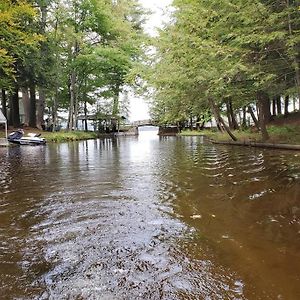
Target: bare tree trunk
[
  {"x": 266, "y": 108},
  {"x": 32, "y": 115},
  {"x": 220, "y": 120},
  {"x": 55, "y": 98},
  {"x": 233, "y": 124},
  {"x": 234, "y": 121},
  {"x": 215, "y": 114},
  {"x": 4, "y": 102},
  {"x": 85, "y": 117},
  {"x": 274, "y": 106},
  {"x": 262, "y": 98},
  {"x": 295, "y": 58},
  {"x": 26, "y": 105},
  {"x": 228, "y": 112},
  {"x": 76, "y": 111},
  {"x": 286, "y": 105},
  {"x": 251, "y": 112},
  {"x": 41, "y": 108},
  {"x": 191, "y": 123},
  {"x": 54, "y": 109},
  {"x": 278, "y": 105},
  {"x": 42, "y": 93},
  {"x": 15, "y": 113},
  {"x": 115, "y": 112},
  {"x": 197, "y": 123},
  {"x": 244, "y": 122},
  {"x": 72, "y": 100}
]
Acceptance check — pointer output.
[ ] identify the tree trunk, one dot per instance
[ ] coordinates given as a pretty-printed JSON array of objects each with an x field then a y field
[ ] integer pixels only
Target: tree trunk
[
  {"x": 233, "y": 122},
  {"x": 266, "y": 108},
  {"x": 76, "y": 111},
  {"x": 295, "y": 58},
  {"x": 26, "y": 105},
  {"x": 15, "y": 113},
  {"x": 274, "y": 106},
  {"x": 42, "y": 93},
  {"x": 262, "y": 99},
  {"x": 278, "y": 105},
  {"x": 4, "y": 103},
  {"x": 198, "y": 123},
  {"x": 54, "y": 109},
  {"x": 244, "y": 122},
  {"x": 85, "y": 117},
  {"x": 228, "y": 112},
  {"x": 251, "y": 112},
  {"x": 191, "y": 123},
  {"x": 41, "y": 108},
  {"x": 32, "y": 114},
  {"x": 286, "y": 105},
  {"x": 115, "y": 112},
  {"x": 220, "y": 120},
  {"x": 215, "y": 114},
  {"x": 72, "y": 100}
]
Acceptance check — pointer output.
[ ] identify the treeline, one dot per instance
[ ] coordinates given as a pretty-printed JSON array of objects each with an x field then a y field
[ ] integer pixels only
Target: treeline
[
  {"x": 66, "y": 55},
  {"x": 227, "y": 57}
]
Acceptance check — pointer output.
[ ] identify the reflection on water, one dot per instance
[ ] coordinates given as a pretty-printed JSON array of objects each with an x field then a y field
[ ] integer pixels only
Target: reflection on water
[{"x": 149, "y": 218}]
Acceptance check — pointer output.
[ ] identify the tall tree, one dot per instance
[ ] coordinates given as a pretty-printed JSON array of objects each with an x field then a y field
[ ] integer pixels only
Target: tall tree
[{"x": 17, "y": 40}]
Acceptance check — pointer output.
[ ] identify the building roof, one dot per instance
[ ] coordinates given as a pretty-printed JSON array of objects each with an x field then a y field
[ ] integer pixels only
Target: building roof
[{"x": 2, "y": 118}]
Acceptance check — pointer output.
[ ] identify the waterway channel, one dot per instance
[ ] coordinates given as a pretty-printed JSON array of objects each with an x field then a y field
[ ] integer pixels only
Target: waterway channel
[{"x": 149, "y": 217}]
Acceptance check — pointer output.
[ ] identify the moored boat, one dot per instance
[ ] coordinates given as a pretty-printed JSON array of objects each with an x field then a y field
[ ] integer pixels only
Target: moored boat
[{"x": 17, "y": 137}]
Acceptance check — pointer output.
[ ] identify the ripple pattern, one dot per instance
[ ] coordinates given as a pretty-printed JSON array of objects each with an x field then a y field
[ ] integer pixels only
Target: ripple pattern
[{"x": 149, "y": 218}]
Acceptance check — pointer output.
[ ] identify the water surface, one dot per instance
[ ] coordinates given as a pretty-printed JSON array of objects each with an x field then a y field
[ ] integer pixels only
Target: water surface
[{"x": 149, "y": 218}]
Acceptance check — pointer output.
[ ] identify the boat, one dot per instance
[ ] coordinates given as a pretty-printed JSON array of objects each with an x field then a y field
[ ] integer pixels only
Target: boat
[{"x": 17, "y": 137}]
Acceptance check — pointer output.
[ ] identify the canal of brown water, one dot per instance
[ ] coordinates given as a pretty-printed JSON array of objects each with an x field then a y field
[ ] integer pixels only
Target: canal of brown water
[{"x": 149, "y": 218}]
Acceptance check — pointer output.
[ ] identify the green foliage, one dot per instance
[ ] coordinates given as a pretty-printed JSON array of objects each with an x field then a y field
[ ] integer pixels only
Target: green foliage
[
  {"x": 46, "y": 43},
  {"x": 17, "y": 38},
  {"x": 97, "y": 42},
  {"x": 218, "y": 49}
]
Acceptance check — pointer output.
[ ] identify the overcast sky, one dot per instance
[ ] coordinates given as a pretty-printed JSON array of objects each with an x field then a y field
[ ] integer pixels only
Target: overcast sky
[
  {"x": 156, "y": 19},
  {"x": 139, "y": 109}
]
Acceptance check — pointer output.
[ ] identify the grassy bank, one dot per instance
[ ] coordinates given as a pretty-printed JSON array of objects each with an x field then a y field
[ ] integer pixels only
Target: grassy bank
[
  {"x": 286, "y": 134},
  {"x": 65, "y": 136}
]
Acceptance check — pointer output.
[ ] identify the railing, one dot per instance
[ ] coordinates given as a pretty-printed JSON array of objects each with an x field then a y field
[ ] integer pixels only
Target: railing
[{"x": 144, "y": 123}]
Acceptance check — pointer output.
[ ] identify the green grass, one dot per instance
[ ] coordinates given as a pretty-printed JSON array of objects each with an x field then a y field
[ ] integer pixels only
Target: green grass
[
  {"x": 289, "y": 134},
  {"x": 189, "y": 132},
  {"x": 65, "y": 136}
]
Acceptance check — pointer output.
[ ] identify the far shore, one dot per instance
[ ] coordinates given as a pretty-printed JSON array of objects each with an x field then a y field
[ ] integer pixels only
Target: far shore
[{"x": 284, "y": 134}]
